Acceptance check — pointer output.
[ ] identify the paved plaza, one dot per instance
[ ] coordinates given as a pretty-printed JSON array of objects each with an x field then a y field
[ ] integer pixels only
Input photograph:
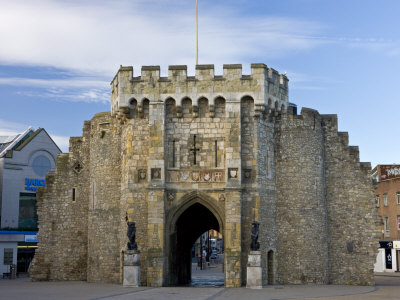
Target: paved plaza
[{"x": 387, "y": 287}]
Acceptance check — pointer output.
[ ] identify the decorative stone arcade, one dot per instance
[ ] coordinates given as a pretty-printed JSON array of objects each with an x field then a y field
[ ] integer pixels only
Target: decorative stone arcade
[{"x": 179, "y": 155}]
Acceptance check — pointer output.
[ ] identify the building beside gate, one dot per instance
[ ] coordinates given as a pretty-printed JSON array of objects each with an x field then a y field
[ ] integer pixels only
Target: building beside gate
[
  {"x": 180, "y": 155},
  {"x": 387, "y": 198},
  {"x": 24, "y": 161}
]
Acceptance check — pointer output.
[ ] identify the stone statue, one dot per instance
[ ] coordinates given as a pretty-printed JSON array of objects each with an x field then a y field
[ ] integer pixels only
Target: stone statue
[
  {"x": 255, "y": 245},
  {"x": 132, "y": 245}
]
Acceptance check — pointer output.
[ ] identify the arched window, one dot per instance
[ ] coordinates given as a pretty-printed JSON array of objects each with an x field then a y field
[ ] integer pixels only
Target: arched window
[
  {"x": 146, "y": 108},
  {"x": 41, "y": 165},
  {"x": 170, "y": 108},
  {"x": 219, "y": 108},
  {"x": 203, "y": 108},
  {"x": 133, "y": 109},
  {"x": 187, "y": 108}
]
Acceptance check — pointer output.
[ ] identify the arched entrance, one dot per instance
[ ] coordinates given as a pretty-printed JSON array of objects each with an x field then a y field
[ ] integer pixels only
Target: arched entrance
[{"x": 192, "y": 219}]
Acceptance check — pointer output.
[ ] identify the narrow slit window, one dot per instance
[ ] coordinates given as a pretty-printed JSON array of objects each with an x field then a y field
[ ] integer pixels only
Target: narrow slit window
[
  {"x": 216, "y": 154},
  {"x": 73, "y": 194}
]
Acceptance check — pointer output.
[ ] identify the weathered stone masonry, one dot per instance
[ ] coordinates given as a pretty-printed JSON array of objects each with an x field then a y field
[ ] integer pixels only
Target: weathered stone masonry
[{"x": 180, "y": 155}]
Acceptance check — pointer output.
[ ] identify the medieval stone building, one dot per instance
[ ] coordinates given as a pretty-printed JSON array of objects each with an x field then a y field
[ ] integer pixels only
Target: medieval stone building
[{"x": 180, "y": 155}]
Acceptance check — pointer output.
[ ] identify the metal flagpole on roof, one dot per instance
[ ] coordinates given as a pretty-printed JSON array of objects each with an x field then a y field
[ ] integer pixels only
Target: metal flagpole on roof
[{"x": 197, "y": 36}]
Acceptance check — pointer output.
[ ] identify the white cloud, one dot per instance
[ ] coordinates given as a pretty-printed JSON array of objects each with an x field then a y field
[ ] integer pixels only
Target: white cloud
[
  {"x": 11, "y": 128},
  {"x": 56, "y": 83},
  {"x": 99, "y": 36},
  {"x": 77, "y": 89},
  {"x": 61, "y": 141}
]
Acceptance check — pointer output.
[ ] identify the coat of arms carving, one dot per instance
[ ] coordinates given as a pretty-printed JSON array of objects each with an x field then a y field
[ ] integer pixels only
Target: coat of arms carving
[
  {"x": 185, "y": 175},
  {"x": 221, "y": 197},
  {"x": 195, "y": 176},
  {"x": 218, "y": 176},
  {"x": 207, "y": 176}
]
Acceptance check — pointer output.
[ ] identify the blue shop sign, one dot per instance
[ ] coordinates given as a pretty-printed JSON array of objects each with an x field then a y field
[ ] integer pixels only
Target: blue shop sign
[
  {"x": 31, "y": 238},
  {"x": 31, "y": 184}
]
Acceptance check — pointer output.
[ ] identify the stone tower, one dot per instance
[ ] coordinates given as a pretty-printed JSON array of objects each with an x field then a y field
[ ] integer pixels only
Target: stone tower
[{"x": 180, "y": 155}]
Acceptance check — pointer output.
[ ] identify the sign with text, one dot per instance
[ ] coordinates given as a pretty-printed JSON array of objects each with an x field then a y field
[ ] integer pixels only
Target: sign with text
[
  {"x": 32, "y": 238},
  {"x": 396, "y": 244},
  {"x": 386, "y": 244},
  {"x": 390, "y": 171},
  {"x": 31, "y": 184}
]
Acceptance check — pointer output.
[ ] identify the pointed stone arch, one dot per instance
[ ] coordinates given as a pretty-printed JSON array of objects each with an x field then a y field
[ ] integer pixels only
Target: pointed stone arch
[{"x": 191, "y": 198}]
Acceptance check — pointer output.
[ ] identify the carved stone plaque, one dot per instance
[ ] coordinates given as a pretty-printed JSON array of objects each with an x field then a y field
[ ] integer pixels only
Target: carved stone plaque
[
  {"x": 156, "y": 173},
  {"x": 246, "y": 175},
  {"x": 142, "y": 174},
  {"x": 77, "y": 167},
  {"x": 233, "y": 173}
]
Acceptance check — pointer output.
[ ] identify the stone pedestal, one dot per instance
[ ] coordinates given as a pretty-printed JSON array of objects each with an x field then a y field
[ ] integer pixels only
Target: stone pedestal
[
  {"x": 254, "y": 270},
  {"x": 131, "y": 268}
]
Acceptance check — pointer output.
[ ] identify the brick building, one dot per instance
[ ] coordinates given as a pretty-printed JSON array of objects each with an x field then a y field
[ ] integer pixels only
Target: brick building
[
  {"x": 387, "y": 198},
  {"x": 180, "y": 155}
]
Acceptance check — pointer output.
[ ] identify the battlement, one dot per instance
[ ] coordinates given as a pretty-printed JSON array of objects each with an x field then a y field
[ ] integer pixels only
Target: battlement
[{"x": 265, "y": 85}]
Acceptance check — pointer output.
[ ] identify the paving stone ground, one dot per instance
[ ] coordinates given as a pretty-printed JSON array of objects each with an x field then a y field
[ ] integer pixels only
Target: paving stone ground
[{"x": 387, "y": 287}]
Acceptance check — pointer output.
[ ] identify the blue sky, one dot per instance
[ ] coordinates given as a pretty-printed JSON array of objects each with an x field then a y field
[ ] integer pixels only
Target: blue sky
[{"x": 57, "y": 58}]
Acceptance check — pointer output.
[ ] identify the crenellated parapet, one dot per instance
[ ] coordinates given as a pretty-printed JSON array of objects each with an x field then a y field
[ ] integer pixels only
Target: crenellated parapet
[{"x": 266, "y": 86}]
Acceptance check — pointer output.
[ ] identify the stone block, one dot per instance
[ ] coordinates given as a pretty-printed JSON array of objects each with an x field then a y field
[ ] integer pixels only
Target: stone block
[
  {"x": 131, "y": 268},
  {"x": 254, "y": 270}
]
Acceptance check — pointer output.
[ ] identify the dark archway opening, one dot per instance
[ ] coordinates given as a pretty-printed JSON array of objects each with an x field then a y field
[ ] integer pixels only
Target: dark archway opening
[{"x": 193, "y": 222}]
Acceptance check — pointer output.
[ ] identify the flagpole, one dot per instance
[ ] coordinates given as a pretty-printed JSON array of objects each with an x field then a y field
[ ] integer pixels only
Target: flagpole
[{"x": 197, "y": 37}]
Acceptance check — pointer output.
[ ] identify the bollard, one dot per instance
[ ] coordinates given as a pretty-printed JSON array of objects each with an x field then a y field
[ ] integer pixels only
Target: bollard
[{"x": 13, "y": 271}]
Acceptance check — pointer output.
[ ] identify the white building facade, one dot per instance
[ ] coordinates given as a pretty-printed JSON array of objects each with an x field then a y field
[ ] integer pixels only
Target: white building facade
[{"x": 24, "y": 161}]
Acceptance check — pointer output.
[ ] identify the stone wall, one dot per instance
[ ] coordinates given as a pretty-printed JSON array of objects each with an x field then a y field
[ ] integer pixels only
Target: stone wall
[
  {"x": 301, "y": 207},
  {"x": 104, "y": 226},
  {"x": 63, "y": 218},
  {"x": 135, "y": 174},
  {"x": 351, "y": 210},
  {"x": 266, "y": 195}
]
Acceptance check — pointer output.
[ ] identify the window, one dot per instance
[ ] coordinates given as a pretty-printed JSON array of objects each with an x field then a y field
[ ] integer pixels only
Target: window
[
  {"x": 27, "y": 211},
  {"x": 385, "y": 199},
  {"x": 377, "y": 200},
  {"x": 398, "y": 222},
  {"x": 386, "y": 222},
  {"x": 398, "y": 198},
  {"x": 8, "y": 256},
  {"x": 73, "y": 194},
  {"x": 41, "y": 165}
]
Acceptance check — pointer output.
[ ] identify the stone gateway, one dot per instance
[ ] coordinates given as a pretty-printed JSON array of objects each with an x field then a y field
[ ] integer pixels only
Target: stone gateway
[{"x": 180, "y": 155}]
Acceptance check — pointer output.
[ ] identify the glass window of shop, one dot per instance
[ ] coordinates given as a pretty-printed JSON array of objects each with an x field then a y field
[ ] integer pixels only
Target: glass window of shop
[{"x": 27, "y": 211}]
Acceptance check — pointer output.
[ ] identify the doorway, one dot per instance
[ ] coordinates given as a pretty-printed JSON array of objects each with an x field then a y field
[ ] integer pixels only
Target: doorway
[
  {"x": 398, "y": 260},
  {"x": 190, "y": 225}
]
